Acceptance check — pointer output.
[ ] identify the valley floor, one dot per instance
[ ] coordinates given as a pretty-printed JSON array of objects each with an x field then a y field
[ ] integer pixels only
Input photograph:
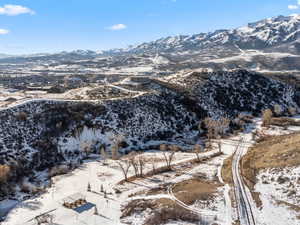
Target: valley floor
[{"x": 197, "y": 188}]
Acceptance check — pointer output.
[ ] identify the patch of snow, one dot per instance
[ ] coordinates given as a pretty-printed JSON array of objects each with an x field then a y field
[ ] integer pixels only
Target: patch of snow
[{"x": 273, "y": 192}]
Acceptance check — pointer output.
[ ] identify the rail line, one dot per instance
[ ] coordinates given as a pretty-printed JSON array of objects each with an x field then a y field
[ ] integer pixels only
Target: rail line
[{"x": 245, "y": 211}]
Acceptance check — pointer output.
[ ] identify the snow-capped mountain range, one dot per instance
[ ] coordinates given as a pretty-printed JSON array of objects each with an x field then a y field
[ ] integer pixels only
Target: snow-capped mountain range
[
  {"x": 263, "y": 34},
  {"x": 269, "y": 44}
]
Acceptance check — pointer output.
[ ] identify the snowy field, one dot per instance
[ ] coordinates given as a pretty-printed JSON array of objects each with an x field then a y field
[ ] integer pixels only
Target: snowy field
[
  {"x": 77, "y": 181},
  {"x": 279, "y": 189},
  {"x": 275, "y": 197},
  {"x": 109, "y": 209}
]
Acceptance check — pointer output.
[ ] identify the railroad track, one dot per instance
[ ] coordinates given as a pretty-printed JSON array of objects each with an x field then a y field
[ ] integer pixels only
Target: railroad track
[{"x": 245, "y": 211}]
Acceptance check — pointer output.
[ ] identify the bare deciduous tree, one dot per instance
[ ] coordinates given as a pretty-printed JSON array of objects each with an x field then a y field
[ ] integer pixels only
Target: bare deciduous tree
[
  {"x": 267, "y": 117},
  {"x": 211, "y": 125},
  {"x": 197, "y": 151},
  {"x": 86, "y": 147},
  {"x": 125, "y": 166},
  {"x": 163, "y": 147},
  {"x": 141, "y": 163},
  {"x": 222, "y": 125},
  {"x": 114, "y": 152},
  {"x": 292, "y": 111},
  {"x": 277, "y": 110},
  {"x": 220, "y": 146},
  {"x": 153, "y": 163},
  {"x": 116, "y": 140},
  {"x": 169, "y": 156},
  {"x": 216, "y": 127},
  {"x": 134, "y": 163},
  {"x": 174, "y": 148},
  {"x": 103, "y": 154}
]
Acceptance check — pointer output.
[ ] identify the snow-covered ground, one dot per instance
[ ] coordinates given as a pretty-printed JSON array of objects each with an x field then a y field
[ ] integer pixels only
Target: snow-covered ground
[
  {"x": 278, "y": 188},
  {"x": 219, "y": 209},
  {"x": 76, "y": 182},
  {"x": 97, "y": 174},
  {"x": 66, "y": 185}
]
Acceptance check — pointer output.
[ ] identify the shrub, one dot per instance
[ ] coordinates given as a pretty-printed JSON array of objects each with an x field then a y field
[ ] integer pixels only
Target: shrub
[
  {"x": 292, "y": 111},
  {"x": 267, "y": 117},
  {"x": 175, "y": 212},
  {"x": 58, "y": 170},
  {"x": 21, "y": 116},
  {"x": 28, "y": 187},
  {"x": 4, "y": 173},
  {"x": 277, "y": 110},
  {"x": 163, "y": 147}
]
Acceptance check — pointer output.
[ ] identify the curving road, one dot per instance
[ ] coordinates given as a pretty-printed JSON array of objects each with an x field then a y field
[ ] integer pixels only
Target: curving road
[{"x": 243, "y": 199}]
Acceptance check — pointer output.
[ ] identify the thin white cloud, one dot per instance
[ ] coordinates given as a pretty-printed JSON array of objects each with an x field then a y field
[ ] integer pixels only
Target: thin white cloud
[
  {"x": 3, "y": 31},
  {"x": 298, "y": 2},
  {"x": 118, "y": 27},
  {"x": 14, "y": 10},
  {"x": 293, "y": 7}
]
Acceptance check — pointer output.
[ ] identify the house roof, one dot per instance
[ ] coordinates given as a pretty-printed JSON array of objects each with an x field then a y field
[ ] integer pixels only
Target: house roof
[{"x": 73, "y": 198}]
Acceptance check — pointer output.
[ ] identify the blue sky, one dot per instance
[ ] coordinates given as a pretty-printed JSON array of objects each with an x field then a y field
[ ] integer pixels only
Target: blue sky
[{"x": 31, "y": 26}]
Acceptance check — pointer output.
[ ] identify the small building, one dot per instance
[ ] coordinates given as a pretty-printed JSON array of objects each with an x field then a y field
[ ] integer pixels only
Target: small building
[{"x": 74, "y": 201}]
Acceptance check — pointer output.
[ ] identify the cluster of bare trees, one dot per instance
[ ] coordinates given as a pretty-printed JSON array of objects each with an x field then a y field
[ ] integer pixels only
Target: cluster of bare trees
[
  {"x": 103, "y": 154},
  {"x": 168, "y": 155},
  {"x": 125, "y": 166},
  {"x": 197, "y": 151},
  {"x": 86, "y": 147},
  {"x": 216, "y": 128},
  {"x": 267, "y": 114},
  {"x": 117, "y": 141},
  {"x": 138, "y": 163}
]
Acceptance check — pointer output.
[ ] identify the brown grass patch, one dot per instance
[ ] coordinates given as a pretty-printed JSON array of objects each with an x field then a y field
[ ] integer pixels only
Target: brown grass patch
[
  {"x": 162, "y": 210},
  {"x": 168, "y": 210},
  {"x": 272, "y": 152},
  {"x": 226, "y": 171},
  {"x": 191, "y": 190},
  {"x": 291, "y": 206},
  {"x": 284, "y": 122}
]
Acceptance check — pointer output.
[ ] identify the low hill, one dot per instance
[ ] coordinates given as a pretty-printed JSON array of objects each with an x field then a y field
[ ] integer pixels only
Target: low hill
[{"x": 41, "y": 134}]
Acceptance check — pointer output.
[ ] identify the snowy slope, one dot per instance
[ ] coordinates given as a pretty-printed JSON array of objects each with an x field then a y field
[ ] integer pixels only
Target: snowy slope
[{"x": 39, "y": 135}]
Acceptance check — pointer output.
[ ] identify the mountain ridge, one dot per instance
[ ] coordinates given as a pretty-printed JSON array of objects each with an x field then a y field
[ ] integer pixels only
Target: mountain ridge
[
  {"x": 271, "y": 44},
  {"x": 295, "y": 18}
]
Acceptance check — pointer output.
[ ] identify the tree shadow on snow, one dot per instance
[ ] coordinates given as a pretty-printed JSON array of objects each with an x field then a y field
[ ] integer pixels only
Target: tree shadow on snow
[{"x": 32, "y": 205}]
